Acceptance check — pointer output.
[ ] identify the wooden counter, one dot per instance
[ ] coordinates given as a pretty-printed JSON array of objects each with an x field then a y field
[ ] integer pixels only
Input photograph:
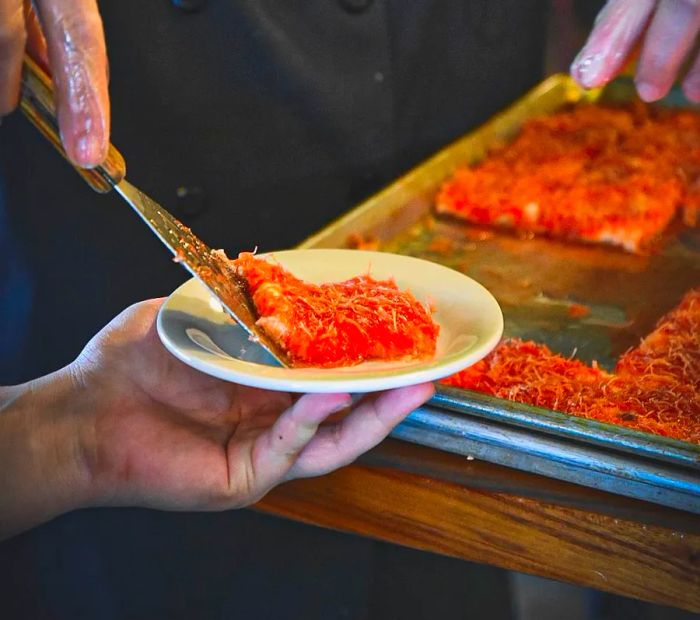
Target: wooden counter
[{"x": 444, "y": 503}]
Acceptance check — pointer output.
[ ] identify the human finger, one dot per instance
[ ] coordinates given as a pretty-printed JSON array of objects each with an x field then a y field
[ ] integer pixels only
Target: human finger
[
  {"x": 276, "y": 450},
  {"x": 341, "y": 442},
  {"x": 78, "y": 60},
  {"x": 691, "y": 82},
  {"x": 615, "y": 33},
  {"x": 668, "y": 41},
  {"x": 12, "y": 41}
]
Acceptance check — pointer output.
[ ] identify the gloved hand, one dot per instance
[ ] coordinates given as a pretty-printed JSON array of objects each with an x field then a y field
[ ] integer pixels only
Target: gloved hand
[{"x": 666, "y": 30}]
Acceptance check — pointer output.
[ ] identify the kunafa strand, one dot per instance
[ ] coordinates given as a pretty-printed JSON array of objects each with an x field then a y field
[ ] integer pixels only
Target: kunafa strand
[{"x": 337, "y": 324}]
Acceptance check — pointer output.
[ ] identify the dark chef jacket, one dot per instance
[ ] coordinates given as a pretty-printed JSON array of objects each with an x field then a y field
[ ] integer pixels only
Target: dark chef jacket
[{"x": 273, "y": 117}]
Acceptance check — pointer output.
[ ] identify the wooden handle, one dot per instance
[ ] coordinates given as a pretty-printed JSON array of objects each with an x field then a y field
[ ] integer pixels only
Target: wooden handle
[{"x": 37, "y": 103}]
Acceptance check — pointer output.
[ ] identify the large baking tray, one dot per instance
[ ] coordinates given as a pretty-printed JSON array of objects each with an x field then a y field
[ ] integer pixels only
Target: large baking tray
[{"x": 536, "y": 281}]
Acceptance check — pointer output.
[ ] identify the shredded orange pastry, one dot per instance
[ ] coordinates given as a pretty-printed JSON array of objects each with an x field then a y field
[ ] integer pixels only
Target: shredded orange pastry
[
  {"x": 337, "y": 324},
  {"x": 655, "y": 386},
  {"x": 614, "y": 175}
]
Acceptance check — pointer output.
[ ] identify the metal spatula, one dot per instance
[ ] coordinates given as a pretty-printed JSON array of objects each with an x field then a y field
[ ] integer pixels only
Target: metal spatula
[{"x": 37, "y": 103}]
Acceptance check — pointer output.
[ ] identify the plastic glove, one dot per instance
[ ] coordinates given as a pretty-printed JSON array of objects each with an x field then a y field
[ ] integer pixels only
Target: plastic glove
[{"x": 666, "y": 30}]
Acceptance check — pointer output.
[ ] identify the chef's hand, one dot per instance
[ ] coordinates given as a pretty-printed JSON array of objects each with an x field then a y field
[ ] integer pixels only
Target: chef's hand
[
  {"x": 127, "y": 424},
  {"x": 74, "y": 49},
  {"x": 666, "y": 30}
]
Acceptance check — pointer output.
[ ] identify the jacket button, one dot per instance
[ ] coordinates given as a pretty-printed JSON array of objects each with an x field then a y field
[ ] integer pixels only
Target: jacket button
[
  {"x": 191, "y": 201},
  {"x": 355, "y": 6},
  {"x": 189, "y": 6}
]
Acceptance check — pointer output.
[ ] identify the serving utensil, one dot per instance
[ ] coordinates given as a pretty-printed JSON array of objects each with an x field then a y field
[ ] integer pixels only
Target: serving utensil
[{"x": 211, "y": 269}]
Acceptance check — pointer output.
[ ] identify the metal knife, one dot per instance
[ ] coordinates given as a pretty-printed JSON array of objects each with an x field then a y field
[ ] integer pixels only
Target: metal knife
[{"x": 211, "y": 269}]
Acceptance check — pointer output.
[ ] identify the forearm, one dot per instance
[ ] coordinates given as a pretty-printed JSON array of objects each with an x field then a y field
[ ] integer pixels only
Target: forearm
[{"x": 41, "y": 466}]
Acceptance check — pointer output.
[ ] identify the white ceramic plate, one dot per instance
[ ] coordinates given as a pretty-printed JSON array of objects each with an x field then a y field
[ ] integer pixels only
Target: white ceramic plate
[{"x": 193, "y": 327}]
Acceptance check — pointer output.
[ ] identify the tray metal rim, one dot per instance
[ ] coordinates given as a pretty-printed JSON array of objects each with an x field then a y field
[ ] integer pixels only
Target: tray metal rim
[
  {"x": 553, "y": 456},
  {"x": 572, "y": 427}
]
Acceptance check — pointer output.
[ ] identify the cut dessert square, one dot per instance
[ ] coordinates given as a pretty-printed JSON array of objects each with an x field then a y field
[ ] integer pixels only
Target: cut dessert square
[
  {"x": 615, "y": 175},
  {"x": 337, "y": 324}
]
